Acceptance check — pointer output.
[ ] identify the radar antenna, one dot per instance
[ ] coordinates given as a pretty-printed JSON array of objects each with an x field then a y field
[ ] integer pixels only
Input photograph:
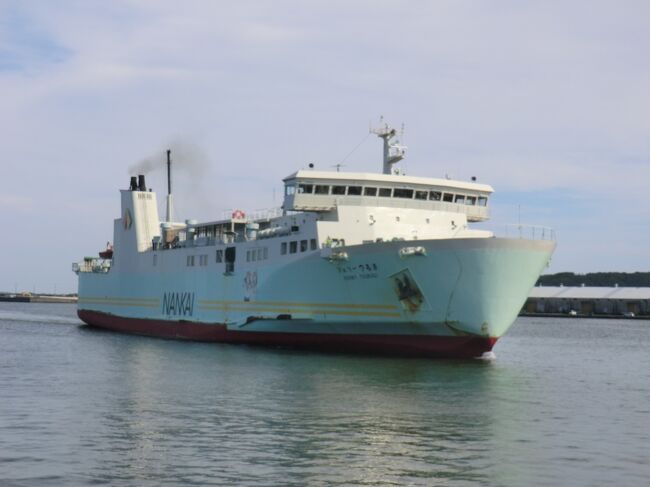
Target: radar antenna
[{"x": 393, "y": 150}]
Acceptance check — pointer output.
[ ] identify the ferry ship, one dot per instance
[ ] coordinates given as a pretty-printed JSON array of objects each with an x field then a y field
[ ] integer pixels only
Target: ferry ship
[{"x": 366, "y": 262}]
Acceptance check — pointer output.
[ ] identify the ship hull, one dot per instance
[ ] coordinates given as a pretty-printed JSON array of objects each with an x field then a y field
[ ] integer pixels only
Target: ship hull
[
  {"x": 399, "y": 345},
  {"x": 447, "y": 298}
]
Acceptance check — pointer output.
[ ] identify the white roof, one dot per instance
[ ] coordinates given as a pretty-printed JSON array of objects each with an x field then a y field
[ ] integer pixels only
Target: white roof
[
  {"x": 584, "y": 292},
  {"x": 388, "y": 178}
]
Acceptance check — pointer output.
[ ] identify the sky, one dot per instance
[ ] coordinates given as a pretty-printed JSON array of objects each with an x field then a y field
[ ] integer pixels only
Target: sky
[{"x": 549, "y": 102}]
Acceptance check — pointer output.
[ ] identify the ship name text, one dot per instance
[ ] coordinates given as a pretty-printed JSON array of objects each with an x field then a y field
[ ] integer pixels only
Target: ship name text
[
  {"x": 178, "y": 304},
  {"x": 361, "y": 271}
]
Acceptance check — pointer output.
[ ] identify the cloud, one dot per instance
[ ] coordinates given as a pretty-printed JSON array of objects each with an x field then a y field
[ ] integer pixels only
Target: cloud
[{"x": 18, "y": 203}]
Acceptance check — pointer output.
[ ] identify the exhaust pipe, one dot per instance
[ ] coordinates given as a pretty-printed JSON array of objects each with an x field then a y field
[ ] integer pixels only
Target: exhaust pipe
[
  {"x": 141, "y": 185},
  {"x": 169, "y": 185}
]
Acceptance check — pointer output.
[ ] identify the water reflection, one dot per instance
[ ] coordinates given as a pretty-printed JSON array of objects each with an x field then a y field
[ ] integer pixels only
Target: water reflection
[{"x": 218, "y": 414}]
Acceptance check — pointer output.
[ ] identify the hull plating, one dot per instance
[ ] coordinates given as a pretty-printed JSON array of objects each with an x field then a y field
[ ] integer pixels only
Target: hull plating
[
  {"x": 403, "y": 345},
  {"x": 455, "y": 299}
]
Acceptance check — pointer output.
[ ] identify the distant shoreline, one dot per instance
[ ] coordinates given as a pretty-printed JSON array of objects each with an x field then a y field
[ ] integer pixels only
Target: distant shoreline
[
  {"x": 37, "y": 298},
  {"x": 581, "y": 316}
]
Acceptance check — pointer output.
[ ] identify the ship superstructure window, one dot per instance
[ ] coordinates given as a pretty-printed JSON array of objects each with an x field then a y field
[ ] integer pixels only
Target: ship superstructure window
[
  {"x": 370, "y": 191},
  {"x": 190, "y": 261},
  {"x": 403, "y": 193},
  {"x": 289, "y": 189},
  {"x": 470, "y": 200},
  {"x": 203, "y": 260},
  {"x": 303, "y": 245},
  {"x": 385, "y": 192},
  {"x": 155, "y": 259},
  {"x": 421, "y": 195},
  {"x": 482, "y": 201},
  {"x": 460, "y": 199},
  {"x": 313, "y": 244},
  {"x": 354, "y": 190},
  {"x": 435, "y": 195},
  {"x": 293, "y": 247},
  {"x": 220, "y": 255},
  {"x": 283, "y": 248},
  {"x": 306, "y": 188},
  {"x": 257, "y": 254},
  {"x": 338, "y": 189},
  {"x": 321, "y": 189},
  {"x": 448, "y": 197}
]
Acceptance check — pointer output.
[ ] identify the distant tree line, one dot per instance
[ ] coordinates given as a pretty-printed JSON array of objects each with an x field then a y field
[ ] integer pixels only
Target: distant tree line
[{"x": 597, "y": 279}]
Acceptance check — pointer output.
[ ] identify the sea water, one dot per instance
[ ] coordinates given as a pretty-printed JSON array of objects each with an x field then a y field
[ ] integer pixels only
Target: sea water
[{"x": 563, "y": 402}]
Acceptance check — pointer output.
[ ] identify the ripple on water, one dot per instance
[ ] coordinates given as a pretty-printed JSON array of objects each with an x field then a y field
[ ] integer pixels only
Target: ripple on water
[{"x": 84, "y": 408}]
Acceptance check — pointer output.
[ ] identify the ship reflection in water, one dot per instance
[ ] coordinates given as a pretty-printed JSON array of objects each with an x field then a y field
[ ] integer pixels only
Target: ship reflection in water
[{"x": 250, "y": 415}]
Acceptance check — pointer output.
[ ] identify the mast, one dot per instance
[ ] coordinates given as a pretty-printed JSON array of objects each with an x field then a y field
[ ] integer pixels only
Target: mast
[
  {"x": 169, "y": 186},
  {"x": 393, "y": 150}
]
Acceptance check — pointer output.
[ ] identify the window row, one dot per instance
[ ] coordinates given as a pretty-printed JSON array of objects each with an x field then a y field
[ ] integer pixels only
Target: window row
[
  {"x": 257, "y": 254},
  {"x": 192, "y": 261},
  {"x": 294, "y": 245},
  {"x": 404, "y": 193}
]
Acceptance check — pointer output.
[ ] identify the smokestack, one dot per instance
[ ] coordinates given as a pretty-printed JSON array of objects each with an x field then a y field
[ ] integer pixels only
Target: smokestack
[
  {"x": 169, "y": 186},
  {"x": 141, "y": 185},
  {"x": 134, "y": 184}
]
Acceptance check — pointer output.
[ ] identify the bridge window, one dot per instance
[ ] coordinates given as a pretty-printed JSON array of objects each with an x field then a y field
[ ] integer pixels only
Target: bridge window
[
  {"x": 460, "y": 199},
  {"x": 354, "y": 190},
  {"x": 370, "y": 191},
  {"x": 322, "y": 189},
  {"x": 421, "y": 195},
  {"x": 448, "y": 197},
  {"x": 289, "y": 189},
  {"x": 385, "y": 192},
  {"x": 482, "y": 201},
  {"x": 403, "y": 193},
  {"x": 305, "y": 188},
  {"x": 435, "y": 195},
  {"x": 338, "y": 189},
  {"x": 470, "y": 200}
]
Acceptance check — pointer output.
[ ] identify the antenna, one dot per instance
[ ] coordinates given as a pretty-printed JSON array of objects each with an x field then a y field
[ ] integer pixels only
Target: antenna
[
  {"x": 393, "y": 150},
  {"x": 338, "y": 167}
]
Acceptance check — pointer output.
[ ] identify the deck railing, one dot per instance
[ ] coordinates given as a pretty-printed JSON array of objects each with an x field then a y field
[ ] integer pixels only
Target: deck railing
[
  {"x": 532, "y": 232},
  {"x": 89, "y": 264}
]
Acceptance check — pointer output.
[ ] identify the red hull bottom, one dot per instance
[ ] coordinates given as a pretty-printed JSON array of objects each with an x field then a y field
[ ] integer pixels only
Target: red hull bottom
[{"x": 410, "y": 345}]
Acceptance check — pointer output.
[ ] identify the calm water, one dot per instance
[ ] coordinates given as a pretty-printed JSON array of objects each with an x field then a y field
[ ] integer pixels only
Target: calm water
[{"x": 566, "y": 402}]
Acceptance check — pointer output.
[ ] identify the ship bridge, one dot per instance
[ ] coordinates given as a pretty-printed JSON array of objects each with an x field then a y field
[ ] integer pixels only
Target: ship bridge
[{"x": 323, "y": 191}]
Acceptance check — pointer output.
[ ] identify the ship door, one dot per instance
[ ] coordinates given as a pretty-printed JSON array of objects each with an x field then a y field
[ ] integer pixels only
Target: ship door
[{"x": 230, "y": 259}]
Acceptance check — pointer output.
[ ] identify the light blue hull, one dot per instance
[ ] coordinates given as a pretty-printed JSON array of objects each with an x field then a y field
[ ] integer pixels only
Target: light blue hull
[{"x": 457, "y": 287}]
